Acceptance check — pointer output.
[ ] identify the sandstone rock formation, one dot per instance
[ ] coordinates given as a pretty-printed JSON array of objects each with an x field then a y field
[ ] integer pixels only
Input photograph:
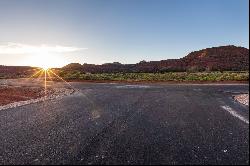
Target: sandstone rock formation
[{"x": 224, "y": 58}]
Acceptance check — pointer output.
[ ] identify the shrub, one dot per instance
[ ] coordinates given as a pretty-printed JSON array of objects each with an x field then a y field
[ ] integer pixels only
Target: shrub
[{"x": 169, "y": 76}]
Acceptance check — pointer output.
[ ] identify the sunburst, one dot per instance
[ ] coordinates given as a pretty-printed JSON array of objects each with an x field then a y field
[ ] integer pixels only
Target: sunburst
[{"x": 48, "y": 74}]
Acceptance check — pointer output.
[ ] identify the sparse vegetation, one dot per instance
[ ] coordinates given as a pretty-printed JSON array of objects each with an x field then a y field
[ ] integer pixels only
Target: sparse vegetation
[{"x": 168, "y": 76}]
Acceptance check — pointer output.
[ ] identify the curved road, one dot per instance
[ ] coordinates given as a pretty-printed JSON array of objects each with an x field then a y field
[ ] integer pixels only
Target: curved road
[{"x": 130, "y": 124}]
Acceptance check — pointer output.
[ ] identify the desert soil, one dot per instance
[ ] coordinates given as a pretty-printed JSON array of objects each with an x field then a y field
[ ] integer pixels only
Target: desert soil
[{"x": 10, "y": 94}]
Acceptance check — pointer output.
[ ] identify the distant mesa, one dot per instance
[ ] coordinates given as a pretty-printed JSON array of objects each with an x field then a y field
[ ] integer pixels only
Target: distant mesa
[
  {"x": 73, "y": 66},
  {"x": 223, "y": 58},
  {"x": 16, "y": 71}
]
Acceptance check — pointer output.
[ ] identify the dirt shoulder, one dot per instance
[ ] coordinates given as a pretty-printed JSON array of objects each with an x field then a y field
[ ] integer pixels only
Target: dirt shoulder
[
  {"x": 10, "y": 94},
  {"x": 14, "y": 96}
]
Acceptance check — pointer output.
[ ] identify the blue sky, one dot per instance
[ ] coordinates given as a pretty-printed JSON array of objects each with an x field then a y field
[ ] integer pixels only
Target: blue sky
[{"x": 127, "y": 31}]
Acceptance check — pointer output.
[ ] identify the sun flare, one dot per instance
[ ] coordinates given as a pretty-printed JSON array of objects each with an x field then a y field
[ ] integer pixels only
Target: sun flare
[{"x": 46, "y": 60}]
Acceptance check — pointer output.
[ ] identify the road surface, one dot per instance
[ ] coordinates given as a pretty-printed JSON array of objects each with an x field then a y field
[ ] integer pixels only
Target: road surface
[{"x": 129, "y": 124}]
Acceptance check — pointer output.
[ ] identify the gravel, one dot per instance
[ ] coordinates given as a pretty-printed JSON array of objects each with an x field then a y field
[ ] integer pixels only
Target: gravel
[
  {"x": 243, "y": 99},
  {"x": 50, "y": 94}
]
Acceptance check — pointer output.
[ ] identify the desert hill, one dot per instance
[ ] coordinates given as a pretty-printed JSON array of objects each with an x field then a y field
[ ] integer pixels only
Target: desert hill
[{"x": 223, "y": 58}]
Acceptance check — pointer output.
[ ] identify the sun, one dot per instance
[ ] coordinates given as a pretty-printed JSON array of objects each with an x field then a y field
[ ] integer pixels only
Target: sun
[
  {"x": 44, "y": 66},
  {"x": 46, "y": 60}
]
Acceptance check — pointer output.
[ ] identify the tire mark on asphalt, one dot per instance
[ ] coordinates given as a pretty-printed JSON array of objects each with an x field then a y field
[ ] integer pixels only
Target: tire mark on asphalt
[{"x": 87, "y": 152}]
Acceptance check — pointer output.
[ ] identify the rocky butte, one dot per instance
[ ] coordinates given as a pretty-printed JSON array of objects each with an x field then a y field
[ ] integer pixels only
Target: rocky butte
[{"x": 223, "y": 58}]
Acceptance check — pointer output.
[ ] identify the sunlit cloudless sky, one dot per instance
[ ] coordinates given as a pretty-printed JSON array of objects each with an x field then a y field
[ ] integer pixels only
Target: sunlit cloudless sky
[{"x": 126, "y": 31}]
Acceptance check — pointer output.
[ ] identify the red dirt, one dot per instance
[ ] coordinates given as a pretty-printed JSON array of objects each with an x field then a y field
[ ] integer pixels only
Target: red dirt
[{"x": 15, "y": 94}]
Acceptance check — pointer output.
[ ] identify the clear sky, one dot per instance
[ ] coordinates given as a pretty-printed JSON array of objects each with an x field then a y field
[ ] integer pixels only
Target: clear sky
[{"x": 128, "y": 31}]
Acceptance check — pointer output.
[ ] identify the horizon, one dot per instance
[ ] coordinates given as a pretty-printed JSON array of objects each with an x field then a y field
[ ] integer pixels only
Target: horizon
[
  {"x": 57, "y": 33},
  {"x": 124, "y": 82},
  {"x": 123, "y": 63}
]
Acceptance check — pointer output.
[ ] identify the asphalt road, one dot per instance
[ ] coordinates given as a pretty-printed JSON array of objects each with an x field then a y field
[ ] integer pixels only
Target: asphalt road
[{"x": 130, "y": 124}]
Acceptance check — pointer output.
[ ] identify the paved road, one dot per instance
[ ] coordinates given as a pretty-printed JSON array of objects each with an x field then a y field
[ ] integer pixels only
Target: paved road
[{"x": 130, "y": 124}]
